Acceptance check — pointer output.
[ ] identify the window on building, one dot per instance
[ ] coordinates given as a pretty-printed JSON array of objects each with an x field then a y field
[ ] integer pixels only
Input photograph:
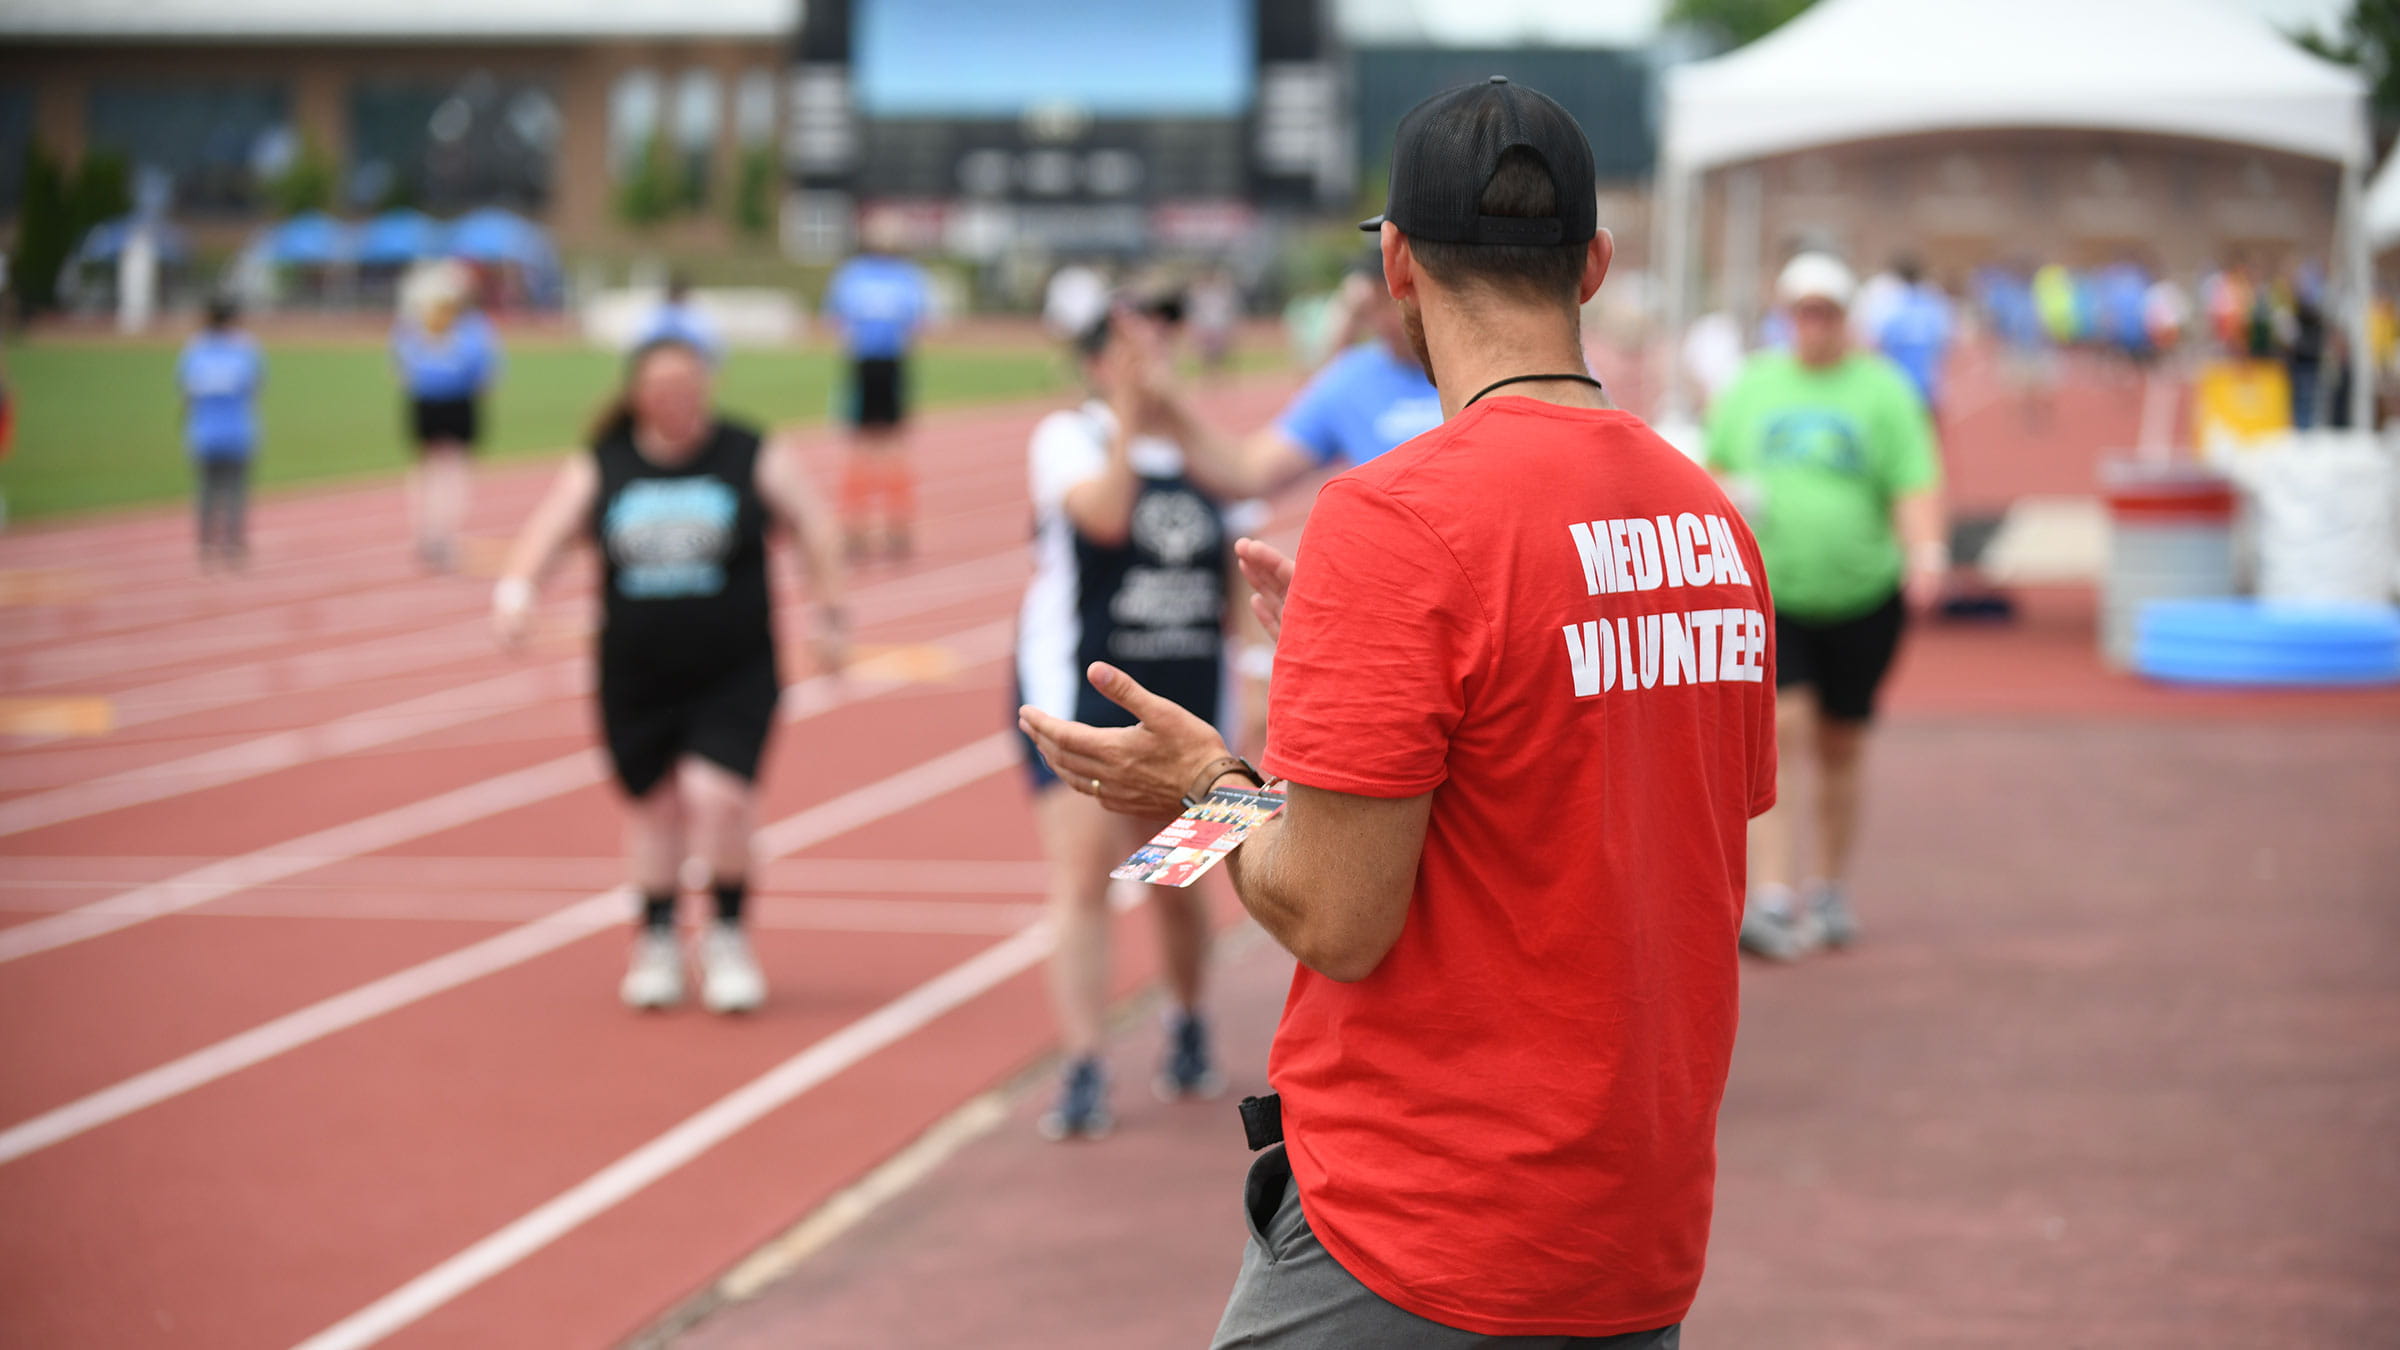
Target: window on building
[
  {"x": 450, "y": 146},
  {"x": 634, "y": 107},
  {"x": 699, "y": 110},
  {"x": 208, "y": 140},
  {"x": 754, "y": 108}
]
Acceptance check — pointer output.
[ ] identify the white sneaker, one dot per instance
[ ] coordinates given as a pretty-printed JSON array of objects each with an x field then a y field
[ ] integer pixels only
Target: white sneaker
[
  {"x": 654, "y": 978},
  {"x": 1775, "y": 928},
  {"x": 730, "y": 981}
]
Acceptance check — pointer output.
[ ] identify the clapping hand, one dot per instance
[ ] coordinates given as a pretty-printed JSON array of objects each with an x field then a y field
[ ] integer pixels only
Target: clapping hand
[
  {"x": 1270, "y": 576},
  {"x": 1141, "y": 770}
]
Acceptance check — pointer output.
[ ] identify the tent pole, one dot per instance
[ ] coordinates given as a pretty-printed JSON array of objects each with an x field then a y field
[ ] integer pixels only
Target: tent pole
[
  {"x": 1671, "y": 231},
  {"x": 1662, "y": 281},
  {"x": 1738, "y": 273},
  {"x": 2358, "y": 265}
]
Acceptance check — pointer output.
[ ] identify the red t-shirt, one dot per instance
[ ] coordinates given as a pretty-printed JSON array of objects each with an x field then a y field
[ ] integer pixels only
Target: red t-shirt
[{"x": 1555, "y": 623}]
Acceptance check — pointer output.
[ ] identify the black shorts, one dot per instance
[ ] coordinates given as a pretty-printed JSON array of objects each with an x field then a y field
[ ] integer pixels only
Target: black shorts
[
  {"x": 878, "y": 397},
  {"x": 1843, "y": 661},
  {"x": 443, "y": 419},
  {"x": 649, "y": 725}
]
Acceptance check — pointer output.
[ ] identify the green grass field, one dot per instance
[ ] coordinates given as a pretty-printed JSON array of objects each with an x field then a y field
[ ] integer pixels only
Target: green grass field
[{"x": 98, "y": 424}]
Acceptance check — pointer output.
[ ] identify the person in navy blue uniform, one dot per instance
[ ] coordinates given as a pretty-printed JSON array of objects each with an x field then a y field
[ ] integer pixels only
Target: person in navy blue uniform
[
  {"x": 1132, "y": 565},
  {"x": 682, "y": 503}
]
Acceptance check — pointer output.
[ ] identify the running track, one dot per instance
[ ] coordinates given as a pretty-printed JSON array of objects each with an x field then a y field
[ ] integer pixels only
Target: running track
[{"x": 308, "y": 967}]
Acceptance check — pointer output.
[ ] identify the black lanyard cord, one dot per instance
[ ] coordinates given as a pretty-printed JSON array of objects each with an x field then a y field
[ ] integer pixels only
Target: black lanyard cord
[{"x": 1521, "y": 379}]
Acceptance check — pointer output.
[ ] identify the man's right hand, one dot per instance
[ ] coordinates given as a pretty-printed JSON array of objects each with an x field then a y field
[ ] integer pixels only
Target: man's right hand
[{"x": 1270, "y": 576}]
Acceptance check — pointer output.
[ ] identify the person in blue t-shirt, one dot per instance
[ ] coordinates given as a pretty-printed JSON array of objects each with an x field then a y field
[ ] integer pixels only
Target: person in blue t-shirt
[
  {"x": 219, "y": 375},
  {"x": 2120, "y": 309},
  {"x": 877, "y": 303},
  {"x": 448, "y": 356},
  {"x": 677, "y": 319},
  {"x": 1368, "y": 399},
  {"x": 1916, "y": 333}
]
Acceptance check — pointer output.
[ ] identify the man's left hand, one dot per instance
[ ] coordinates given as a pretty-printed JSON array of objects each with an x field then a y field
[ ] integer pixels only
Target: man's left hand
[{"x": 1141, "y": 770}]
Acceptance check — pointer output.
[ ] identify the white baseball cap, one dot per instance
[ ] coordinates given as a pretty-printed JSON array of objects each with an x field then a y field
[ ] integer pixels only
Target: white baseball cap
[{"x": 1815, "y": 276}]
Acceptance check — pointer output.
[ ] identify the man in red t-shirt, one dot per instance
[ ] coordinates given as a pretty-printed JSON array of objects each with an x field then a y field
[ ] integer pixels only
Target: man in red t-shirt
[{"x": 1524, "y": 698}]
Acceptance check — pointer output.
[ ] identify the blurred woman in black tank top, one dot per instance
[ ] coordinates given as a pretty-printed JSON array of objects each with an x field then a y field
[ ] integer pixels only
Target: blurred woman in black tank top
[{"x": 681, "y": 503}]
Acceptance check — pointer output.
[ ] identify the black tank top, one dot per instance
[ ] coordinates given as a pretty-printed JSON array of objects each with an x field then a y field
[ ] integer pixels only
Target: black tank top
[
  {"x": 684, "y": 557},
  {"x": 1154, "y": 606}
]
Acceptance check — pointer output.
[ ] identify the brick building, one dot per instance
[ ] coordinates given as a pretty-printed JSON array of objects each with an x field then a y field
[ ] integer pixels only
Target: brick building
[{"x": 541, "y": 105}]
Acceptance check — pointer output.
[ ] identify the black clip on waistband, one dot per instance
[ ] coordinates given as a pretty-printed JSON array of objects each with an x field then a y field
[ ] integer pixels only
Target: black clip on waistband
[{"x": 1262, "y": 1121}]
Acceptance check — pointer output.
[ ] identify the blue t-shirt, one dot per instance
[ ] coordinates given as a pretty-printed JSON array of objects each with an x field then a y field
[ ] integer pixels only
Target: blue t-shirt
[
  {"x": 2120, "y": 296},
  {"x": 219, "y": 374},
  {"x": 681, "y": 323},
  {"x": 457, "y": 364},
  {"x": 1365, "y": 401},
  {"x": 1916, "y": 335},
  {"x": 2008, "y": 304},
  {"x": 879, "y": 302}
]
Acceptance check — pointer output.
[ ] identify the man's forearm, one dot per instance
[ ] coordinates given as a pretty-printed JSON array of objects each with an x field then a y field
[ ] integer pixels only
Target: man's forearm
[
  {"x": 1257, "y": 876},
  {"x": 1222, "y": 465}
]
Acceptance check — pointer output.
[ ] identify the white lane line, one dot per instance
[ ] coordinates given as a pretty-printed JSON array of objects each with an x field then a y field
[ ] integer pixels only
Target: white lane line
[
  {"x": 694, "y": 1136},
  {"x": 417, "y": 819},
  {"x": 163, "y": 628},
  {"x": 438, "y": 711},
  {"x": 30, "y": 885},
  {"x": 383, "y": 830},
  {"x": 231, "y": 634},
  {"x": 403, "y": 653},
  {"x": 768, "y": 909},
  {"x": 860, "y": 806}
]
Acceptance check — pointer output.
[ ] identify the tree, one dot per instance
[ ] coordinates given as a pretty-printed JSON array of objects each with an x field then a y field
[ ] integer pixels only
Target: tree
[
  {"x": 647, "y": 194},
  {"x": 43, "y": 233},
  {"x": 306, "y": 184},
  {"x": 2369, "y": 38},
  {"x": 1734, "y": 23},
  {"x": 59, "y": 208},
  {"x": 754, "y": 193}
]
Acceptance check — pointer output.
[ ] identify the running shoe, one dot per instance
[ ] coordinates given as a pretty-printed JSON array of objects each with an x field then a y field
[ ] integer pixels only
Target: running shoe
[
  {"x": 1082, "y": 1107},
  {"x": 654, "y": 979},
  {"x": 730, "y": 981},
  {"x": 1188, "y": 1073},
  {"x": 1774, "y": 931},
  {"x": 1829, "y": 905}
]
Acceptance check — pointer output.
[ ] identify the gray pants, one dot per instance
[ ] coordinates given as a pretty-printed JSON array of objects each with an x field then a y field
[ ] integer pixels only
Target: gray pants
[
  {"x": 224, "y": 499},
  {"x": 1292, "y": 1294}
]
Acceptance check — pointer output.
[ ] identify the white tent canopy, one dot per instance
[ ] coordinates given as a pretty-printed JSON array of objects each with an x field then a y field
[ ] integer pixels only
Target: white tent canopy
[
  {"x": 1851, "y": 70},
  {"x": 2383, "y": 204}
]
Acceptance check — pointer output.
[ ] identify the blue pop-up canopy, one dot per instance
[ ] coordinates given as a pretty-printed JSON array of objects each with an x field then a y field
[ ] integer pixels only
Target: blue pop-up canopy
[
  {"x": 312, "y": 239},
  {"x": 398, "y": 237},
  {"x": 104, "y": 241},
  {"x": 492, "y": 235}
]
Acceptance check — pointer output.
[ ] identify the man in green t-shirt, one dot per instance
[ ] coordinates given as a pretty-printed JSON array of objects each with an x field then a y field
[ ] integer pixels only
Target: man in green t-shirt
[{"x": 1831, "y": 455}]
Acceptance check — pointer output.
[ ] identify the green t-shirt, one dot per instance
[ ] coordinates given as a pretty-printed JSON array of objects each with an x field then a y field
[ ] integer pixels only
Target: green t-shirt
[{"x": 1825, "y": 453}]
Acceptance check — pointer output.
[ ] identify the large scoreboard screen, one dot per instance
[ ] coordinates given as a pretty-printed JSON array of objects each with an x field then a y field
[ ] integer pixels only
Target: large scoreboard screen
[{"x": 973, "y": 59}]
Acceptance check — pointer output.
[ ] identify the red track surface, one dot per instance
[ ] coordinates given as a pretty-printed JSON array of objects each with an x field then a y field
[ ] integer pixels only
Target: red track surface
[
  {"x": 303, "y": 990},
  {"x": 307, "y": 722}
]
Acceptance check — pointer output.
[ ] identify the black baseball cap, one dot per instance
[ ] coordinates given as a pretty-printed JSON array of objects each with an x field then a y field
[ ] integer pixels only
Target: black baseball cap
[{"x": 1448, "y": 147}]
